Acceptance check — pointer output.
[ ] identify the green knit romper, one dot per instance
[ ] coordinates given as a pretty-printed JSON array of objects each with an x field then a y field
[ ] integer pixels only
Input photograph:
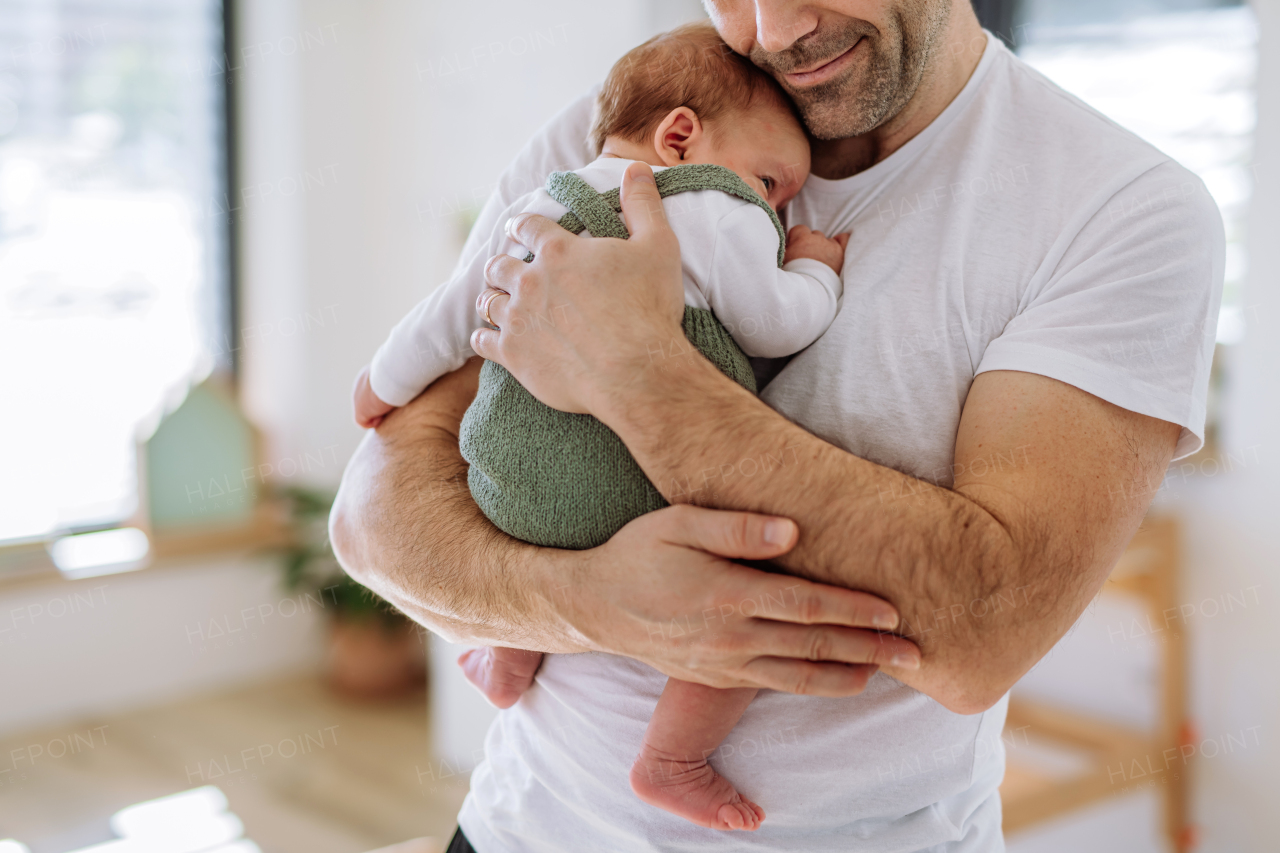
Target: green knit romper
[{"x": 566, "y": 480}]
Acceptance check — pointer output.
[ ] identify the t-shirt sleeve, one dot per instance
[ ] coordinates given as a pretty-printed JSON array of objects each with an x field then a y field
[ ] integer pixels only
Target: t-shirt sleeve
[{"x": 1129, "y": 311}]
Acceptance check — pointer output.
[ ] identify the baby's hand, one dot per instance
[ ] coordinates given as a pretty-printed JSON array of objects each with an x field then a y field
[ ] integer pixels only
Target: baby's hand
[
  {"x": 369, "y": 409},
  {"x": 803, "y": 243}
]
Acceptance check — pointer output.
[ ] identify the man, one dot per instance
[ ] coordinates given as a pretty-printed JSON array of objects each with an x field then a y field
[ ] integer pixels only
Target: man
[{"x": 1023, "y": 346}]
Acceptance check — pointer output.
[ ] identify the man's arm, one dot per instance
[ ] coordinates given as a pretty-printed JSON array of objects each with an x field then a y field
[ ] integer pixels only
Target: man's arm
[
  {"x": 1050, "y": 484},
  {"x": 404, "y": 524}
]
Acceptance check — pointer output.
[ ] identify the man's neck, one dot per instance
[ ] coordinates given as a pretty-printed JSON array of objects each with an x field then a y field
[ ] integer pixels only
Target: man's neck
[{"x": 950, "y": 68}]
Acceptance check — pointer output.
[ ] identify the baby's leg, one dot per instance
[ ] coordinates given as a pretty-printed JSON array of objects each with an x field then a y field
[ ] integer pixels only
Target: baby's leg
[
  {"x": 501, "y": 674},
  {"x": 672, "y": 772}
]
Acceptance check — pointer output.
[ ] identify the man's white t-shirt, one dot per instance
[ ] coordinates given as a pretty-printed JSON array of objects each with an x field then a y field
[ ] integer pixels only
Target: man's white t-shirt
[{"x": 1020, "y": 231}]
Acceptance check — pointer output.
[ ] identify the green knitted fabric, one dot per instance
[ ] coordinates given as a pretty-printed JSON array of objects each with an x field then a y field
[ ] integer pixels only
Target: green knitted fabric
[{"x": 563, "y": 480}]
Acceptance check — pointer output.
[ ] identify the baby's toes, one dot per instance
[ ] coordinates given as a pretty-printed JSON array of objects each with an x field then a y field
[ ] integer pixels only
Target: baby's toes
[{"x": 740, "y": 815}]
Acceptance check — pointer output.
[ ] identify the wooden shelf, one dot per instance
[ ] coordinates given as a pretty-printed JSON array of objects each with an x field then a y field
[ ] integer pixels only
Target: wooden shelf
[{"x": 1148, "y": 573}]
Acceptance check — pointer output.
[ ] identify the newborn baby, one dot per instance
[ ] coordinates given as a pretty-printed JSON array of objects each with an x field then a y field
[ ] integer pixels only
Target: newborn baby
[{"x": 727, "y": 153}]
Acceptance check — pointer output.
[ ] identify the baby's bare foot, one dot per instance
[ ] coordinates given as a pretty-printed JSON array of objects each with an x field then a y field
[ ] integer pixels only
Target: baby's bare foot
[
  {"x": 502, "y": 675},
  {"x": 693, "y": 791}
]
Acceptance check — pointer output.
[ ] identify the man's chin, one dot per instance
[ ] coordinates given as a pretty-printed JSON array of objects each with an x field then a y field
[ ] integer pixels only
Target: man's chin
[{"x": 835, "y": 118}]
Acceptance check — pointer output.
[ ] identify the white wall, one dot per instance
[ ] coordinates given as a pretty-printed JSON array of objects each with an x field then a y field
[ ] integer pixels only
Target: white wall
[
  {"x": 407, "y": 112},
  {"x": 79, "y": 650}
]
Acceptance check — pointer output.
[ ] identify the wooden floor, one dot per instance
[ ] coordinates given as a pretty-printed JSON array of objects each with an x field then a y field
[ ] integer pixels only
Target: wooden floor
[{"x": 304, "y": 770}]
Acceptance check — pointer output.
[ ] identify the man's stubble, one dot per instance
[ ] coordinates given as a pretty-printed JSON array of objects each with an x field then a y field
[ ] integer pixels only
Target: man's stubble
[{"x": 877, "y": 88}]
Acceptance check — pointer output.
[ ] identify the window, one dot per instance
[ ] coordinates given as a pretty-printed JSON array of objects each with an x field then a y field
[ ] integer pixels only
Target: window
[{"x": 114, "y": 272}]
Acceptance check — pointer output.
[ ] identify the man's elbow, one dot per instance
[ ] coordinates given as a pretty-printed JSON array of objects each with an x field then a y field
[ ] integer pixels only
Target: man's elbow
[
  {"x": 975, "y": 701},
  {"x": 344, "y": 539},
  {"x": 971, "y": 691}
]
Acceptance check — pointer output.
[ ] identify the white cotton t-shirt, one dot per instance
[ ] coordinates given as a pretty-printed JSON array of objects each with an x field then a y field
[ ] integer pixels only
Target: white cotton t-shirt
[
  {"x": 1020, "y": 231},
  {"x": 729, "y": 261}
]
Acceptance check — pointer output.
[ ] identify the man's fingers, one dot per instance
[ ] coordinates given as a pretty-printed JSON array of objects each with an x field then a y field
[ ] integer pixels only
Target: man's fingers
[
  {"x": 809, "y": 603},
  {"x": 492, "y": 305},
  {"x": 503, "y": 273},
  {"x": 737, "y": 535},
  {"x": 749, "y": 536},
  {"x": 485, "y": 343},
  {"x": 807, "y": 678},
  {"x": 838, "y": 645},
  {"x": 641, "y": 204},
  {"x": 533, "y": 231}
]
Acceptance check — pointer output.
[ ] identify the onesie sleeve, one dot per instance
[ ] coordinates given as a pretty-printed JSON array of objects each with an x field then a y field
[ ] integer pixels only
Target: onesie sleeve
[{"x": 770, "y": 312}]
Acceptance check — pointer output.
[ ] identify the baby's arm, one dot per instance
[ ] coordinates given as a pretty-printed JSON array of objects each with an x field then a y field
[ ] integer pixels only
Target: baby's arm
[
  {"x": 435, "y": 337},
  {"x": 773, "y": 312}
]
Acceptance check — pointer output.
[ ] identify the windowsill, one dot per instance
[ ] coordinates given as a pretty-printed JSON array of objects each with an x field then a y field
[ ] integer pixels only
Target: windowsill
[{"x": 30, "y": 564}]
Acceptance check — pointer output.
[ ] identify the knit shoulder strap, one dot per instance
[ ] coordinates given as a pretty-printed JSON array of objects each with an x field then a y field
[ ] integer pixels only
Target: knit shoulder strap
[
  {"x": 588, "y": 209},
  {"x": 597, "y": 213}
]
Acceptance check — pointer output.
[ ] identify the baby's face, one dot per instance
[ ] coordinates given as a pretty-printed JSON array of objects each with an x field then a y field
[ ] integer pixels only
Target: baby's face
[{"x": 766, "y": 147}]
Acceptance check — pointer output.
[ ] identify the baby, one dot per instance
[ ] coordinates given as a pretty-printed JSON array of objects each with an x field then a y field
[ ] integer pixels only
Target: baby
[{"x": 727, "y": 153}]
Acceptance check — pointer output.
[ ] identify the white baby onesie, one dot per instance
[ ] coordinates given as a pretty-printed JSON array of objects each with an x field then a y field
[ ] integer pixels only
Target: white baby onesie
[{"x": 729, "y": 256}]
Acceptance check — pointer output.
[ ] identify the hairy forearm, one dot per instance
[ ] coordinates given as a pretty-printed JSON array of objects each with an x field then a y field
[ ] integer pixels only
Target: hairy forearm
[
  {"x": 981, "y": 588},
  {"x": 405, "y": 525}
]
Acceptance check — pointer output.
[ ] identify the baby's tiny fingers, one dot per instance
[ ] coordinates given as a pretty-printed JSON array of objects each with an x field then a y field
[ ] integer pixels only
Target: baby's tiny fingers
[{"x": 842, "y": 239}]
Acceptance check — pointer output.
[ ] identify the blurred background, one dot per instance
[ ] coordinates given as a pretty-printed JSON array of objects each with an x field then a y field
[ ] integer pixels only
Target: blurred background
[{"x": 209, "y": 218}]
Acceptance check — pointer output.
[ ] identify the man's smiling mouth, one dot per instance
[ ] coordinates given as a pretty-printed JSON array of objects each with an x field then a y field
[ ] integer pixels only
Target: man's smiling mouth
[{"x": 826, "y": 70}]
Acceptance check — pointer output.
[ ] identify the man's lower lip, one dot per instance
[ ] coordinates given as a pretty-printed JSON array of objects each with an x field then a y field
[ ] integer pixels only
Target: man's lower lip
[{"x": 824, "y": 72}]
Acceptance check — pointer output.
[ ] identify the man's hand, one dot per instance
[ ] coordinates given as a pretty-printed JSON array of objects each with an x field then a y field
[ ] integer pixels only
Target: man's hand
[
  {"x": 802, "y": 242},
  {"x": 550, "y": 313},
  {"x": 370, "y": 409},
  {"x": 664, "y": 590}
]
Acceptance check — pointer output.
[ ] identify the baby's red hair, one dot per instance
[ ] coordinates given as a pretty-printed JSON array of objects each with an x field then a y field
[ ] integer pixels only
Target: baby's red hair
[{"x": 689, "y": 66}]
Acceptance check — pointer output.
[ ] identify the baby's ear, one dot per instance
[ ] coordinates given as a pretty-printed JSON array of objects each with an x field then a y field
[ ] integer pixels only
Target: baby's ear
[{"x": 676, "y": 135}]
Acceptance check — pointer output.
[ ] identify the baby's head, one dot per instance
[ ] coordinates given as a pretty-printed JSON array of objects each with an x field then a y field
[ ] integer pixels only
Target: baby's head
[{"x": 685, "y": 97}]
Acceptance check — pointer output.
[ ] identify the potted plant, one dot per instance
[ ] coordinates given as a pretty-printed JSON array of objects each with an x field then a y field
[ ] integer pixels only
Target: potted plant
[{"x": 375, "y": 651}]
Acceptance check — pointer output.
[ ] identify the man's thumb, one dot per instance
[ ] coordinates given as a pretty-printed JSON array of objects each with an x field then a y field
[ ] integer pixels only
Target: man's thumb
[{"x": 641, "y": 203}]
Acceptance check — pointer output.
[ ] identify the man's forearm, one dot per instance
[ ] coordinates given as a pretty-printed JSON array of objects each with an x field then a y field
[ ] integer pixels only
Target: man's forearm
[
  {"x": 981, "y": 597},
  {"x": 404, "y": 524}
]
